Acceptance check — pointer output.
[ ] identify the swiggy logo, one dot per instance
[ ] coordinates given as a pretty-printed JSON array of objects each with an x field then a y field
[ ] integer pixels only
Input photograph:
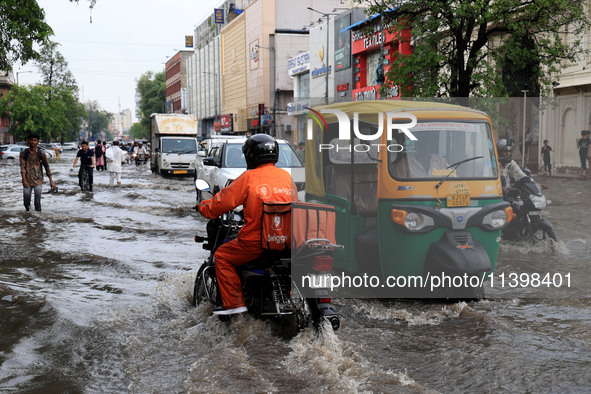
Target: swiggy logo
[
  {"x": 402, "y": 121},
  {"x": 264, "y": 191},
  {"x": 277, "y": 222}
]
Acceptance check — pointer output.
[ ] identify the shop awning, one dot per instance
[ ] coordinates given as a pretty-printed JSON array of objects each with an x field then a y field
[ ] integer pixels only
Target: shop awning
[{"x": 360, "y": 23}]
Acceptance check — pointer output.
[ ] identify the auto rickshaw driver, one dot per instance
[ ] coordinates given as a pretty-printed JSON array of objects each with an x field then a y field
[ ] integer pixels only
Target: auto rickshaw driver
[{"x": 420, "y": 159}]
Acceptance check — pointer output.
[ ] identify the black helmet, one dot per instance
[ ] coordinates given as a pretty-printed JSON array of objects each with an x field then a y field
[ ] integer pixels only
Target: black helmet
[
  {"x": 502, "y": 146},
  {"x": 260, "y": 149}
]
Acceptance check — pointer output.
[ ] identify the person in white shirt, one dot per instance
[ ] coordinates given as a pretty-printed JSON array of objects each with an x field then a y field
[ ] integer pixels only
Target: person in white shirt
[
  {"x": 508, "y": 166},
  {"x": 115, "y": 156}
]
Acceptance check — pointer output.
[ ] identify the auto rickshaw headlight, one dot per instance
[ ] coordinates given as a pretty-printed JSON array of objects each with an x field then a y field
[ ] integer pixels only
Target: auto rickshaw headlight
[
  {"x": 413, "y": 221},
  {"x": 496, "y": 219}
]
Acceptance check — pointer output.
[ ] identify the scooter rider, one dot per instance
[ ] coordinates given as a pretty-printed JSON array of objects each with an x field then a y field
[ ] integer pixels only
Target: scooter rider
[
  {"x": 510, "y": 168},
  {"x": 261, "y": 182},
  {"x": 139, "y": 150}
]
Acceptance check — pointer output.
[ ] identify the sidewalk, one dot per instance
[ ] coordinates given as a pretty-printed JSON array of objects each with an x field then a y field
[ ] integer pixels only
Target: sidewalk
[{"x": 564, "y": 173}]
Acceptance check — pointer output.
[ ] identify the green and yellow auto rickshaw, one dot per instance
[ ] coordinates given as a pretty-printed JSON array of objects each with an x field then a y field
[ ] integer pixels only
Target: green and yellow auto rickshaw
[{"x": 417, "y": 192}]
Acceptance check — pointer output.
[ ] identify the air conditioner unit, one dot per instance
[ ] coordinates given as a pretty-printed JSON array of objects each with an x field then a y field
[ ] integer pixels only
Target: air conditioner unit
[{"x": 287, "y": 128}]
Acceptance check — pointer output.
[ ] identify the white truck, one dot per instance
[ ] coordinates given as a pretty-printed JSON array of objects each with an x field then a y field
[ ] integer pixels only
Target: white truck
[{"x": 174, "y": 144}]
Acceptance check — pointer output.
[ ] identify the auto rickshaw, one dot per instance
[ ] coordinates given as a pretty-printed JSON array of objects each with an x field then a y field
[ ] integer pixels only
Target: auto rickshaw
[{"x": 417, "y": 192}]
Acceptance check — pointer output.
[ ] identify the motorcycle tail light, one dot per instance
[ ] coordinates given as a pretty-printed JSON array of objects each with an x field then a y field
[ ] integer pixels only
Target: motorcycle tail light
[
  {"x": 322, "y": 263},
  {"x": 324, "y": 300}
]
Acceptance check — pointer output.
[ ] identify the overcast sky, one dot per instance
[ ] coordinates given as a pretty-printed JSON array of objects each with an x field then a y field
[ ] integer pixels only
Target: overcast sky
[{"x": 125, "y": 39}]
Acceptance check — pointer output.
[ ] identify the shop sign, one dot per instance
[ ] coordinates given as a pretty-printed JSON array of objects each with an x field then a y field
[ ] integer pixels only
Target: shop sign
[
  {"x": 298, "y": 64},
  {"x": 318, "y": 72},
  {"x": 218, "y": 15},
  {"x": 369, "y": 93},
  {"x": 343, "y": 87},
  {"x": 298, "y": 107},
  {"x": 226, "y": 123},
  {"x": 372, "y": 93},
  {"x": 253, "y": 54}
]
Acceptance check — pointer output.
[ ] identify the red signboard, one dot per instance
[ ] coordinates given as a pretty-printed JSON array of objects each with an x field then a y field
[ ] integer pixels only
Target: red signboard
[{"x": 226, "y": 123}]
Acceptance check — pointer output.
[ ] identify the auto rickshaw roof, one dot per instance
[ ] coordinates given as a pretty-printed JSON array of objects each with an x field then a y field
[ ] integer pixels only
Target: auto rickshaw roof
[{"x": 427, "y": 108}]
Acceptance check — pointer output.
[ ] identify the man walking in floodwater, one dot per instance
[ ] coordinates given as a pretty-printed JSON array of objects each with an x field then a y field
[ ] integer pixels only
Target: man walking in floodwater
[{"x": 31, "y": 160}]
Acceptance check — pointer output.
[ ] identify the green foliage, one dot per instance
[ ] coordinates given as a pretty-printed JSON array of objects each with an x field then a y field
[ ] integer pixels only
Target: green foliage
[
  {"x": 491, "y": 48},
  {"x": 139, "y": 132},
  {"x": 97, "y": 119},
  {"x": 31, "y": 111},
  {"x": 62, "y": 86},
  {"x": 22, "y": 26},
  {"x": 54, "y": 68},
  {"x": 152, "y": 89}
]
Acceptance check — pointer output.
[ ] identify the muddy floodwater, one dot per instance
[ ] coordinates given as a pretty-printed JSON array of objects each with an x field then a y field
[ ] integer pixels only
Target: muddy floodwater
[{"x": 95, "y": 297}]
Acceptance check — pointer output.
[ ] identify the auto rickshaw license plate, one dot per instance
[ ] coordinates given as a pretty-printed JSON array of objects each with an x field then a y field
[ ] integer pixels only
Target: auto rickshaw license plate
[
  {"x": 180, "y": 172},
  {"x": 458, "y": 200}
]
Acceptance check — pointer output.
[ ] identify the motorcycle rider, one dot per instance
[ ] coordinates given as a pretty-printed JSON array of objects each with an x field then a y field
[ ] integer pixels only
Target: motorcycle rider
[
  {"x": 139, "y": 150},
  {"x": 508, "y": 166},
  {"x": 262, "y": 182}
]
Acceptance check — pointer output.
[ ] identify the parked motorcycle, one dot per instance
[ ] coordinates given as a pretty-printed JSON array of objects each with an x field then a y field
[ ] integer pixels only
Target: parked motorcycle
[
  {"x": 267, "y": 284},
  {"x": 528, "y": 201}
]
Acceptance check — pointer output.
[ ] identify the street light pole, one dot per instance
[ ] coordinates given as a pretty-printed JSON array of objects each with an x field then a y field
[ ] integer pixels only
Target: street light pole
[
  {"x": 21, "y": 72},
  {"x": 327, "y": 16},
  {"x": 215, "y": 94},
  {"x": 274, "y": 88},
  {"x": 523, "y": 152}
]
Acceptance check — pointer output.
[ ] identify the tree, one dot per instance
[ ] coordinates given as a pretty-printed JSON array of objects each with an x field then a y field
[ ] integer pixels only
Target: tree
[
  {"x": 31, "y": 111},
  {"x": 97, "y": 119},
  {"x": 465, "y": 48},
  {"x": 152, "y": 89},
  {"x": 62, "y": 86},
  {"x": 138, "y": 132},
  {"x": 22, "y": 25},
  {"x": 54, "y": 68}
]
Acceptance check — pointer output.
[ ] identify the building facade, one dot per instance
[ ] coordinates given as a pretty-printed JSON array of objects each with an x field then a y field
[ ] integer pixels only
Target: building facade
[
  {"x": 5, "y": 86},
  {"x": 204, "y": 67},
  {"x": 176, "y": 82}
]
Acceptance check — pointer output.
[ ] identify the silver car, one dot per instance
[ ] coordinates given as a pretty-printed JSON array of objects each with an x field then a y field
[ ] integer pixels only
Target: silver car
[
  {"x": 12, "y": 152},
  {"x": 224, "y": 161}
]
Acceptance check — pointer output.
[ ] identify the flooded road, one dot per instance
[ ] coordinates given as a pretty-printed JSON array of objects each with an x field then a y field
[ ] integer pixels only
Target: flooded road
[{"x": 95, "y": 296}]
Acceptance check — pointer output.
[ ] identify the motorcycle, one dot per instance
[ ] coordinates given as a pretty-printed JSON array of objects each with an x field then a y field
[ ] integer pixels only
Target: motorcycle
[
  {"x": 528, "y": 201},
  {"x": 140, "y": 158},
  {"x": 267, "y": 284}
]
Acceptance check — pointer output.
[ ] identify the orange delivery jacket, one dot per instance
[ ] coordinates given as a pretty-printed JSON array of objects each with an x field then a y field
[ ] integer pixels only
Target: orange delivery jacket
[{"x": 264, "y": 183}]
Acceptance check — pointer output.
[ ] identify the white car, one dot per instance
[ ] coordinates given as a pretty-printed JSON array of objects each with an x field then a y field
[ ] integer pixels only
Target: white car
[
  {"x": 12, "y": 152},
  {"x": 224, "y": 161},
  {"x": 70, "y": 146}
]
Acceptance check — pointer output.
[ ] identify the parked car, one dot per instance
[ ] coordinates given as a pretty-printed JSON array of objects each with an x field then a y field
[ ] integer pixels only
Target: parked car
[
  {"x": 50, "y": 147},
  {"x": 57, "y": 145},
  {"x": 11, "y": 152},
  {"x": 224, "y": 161},
  {"x": 50, "y": 153},
  {"x": 70, "y": 146}
]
